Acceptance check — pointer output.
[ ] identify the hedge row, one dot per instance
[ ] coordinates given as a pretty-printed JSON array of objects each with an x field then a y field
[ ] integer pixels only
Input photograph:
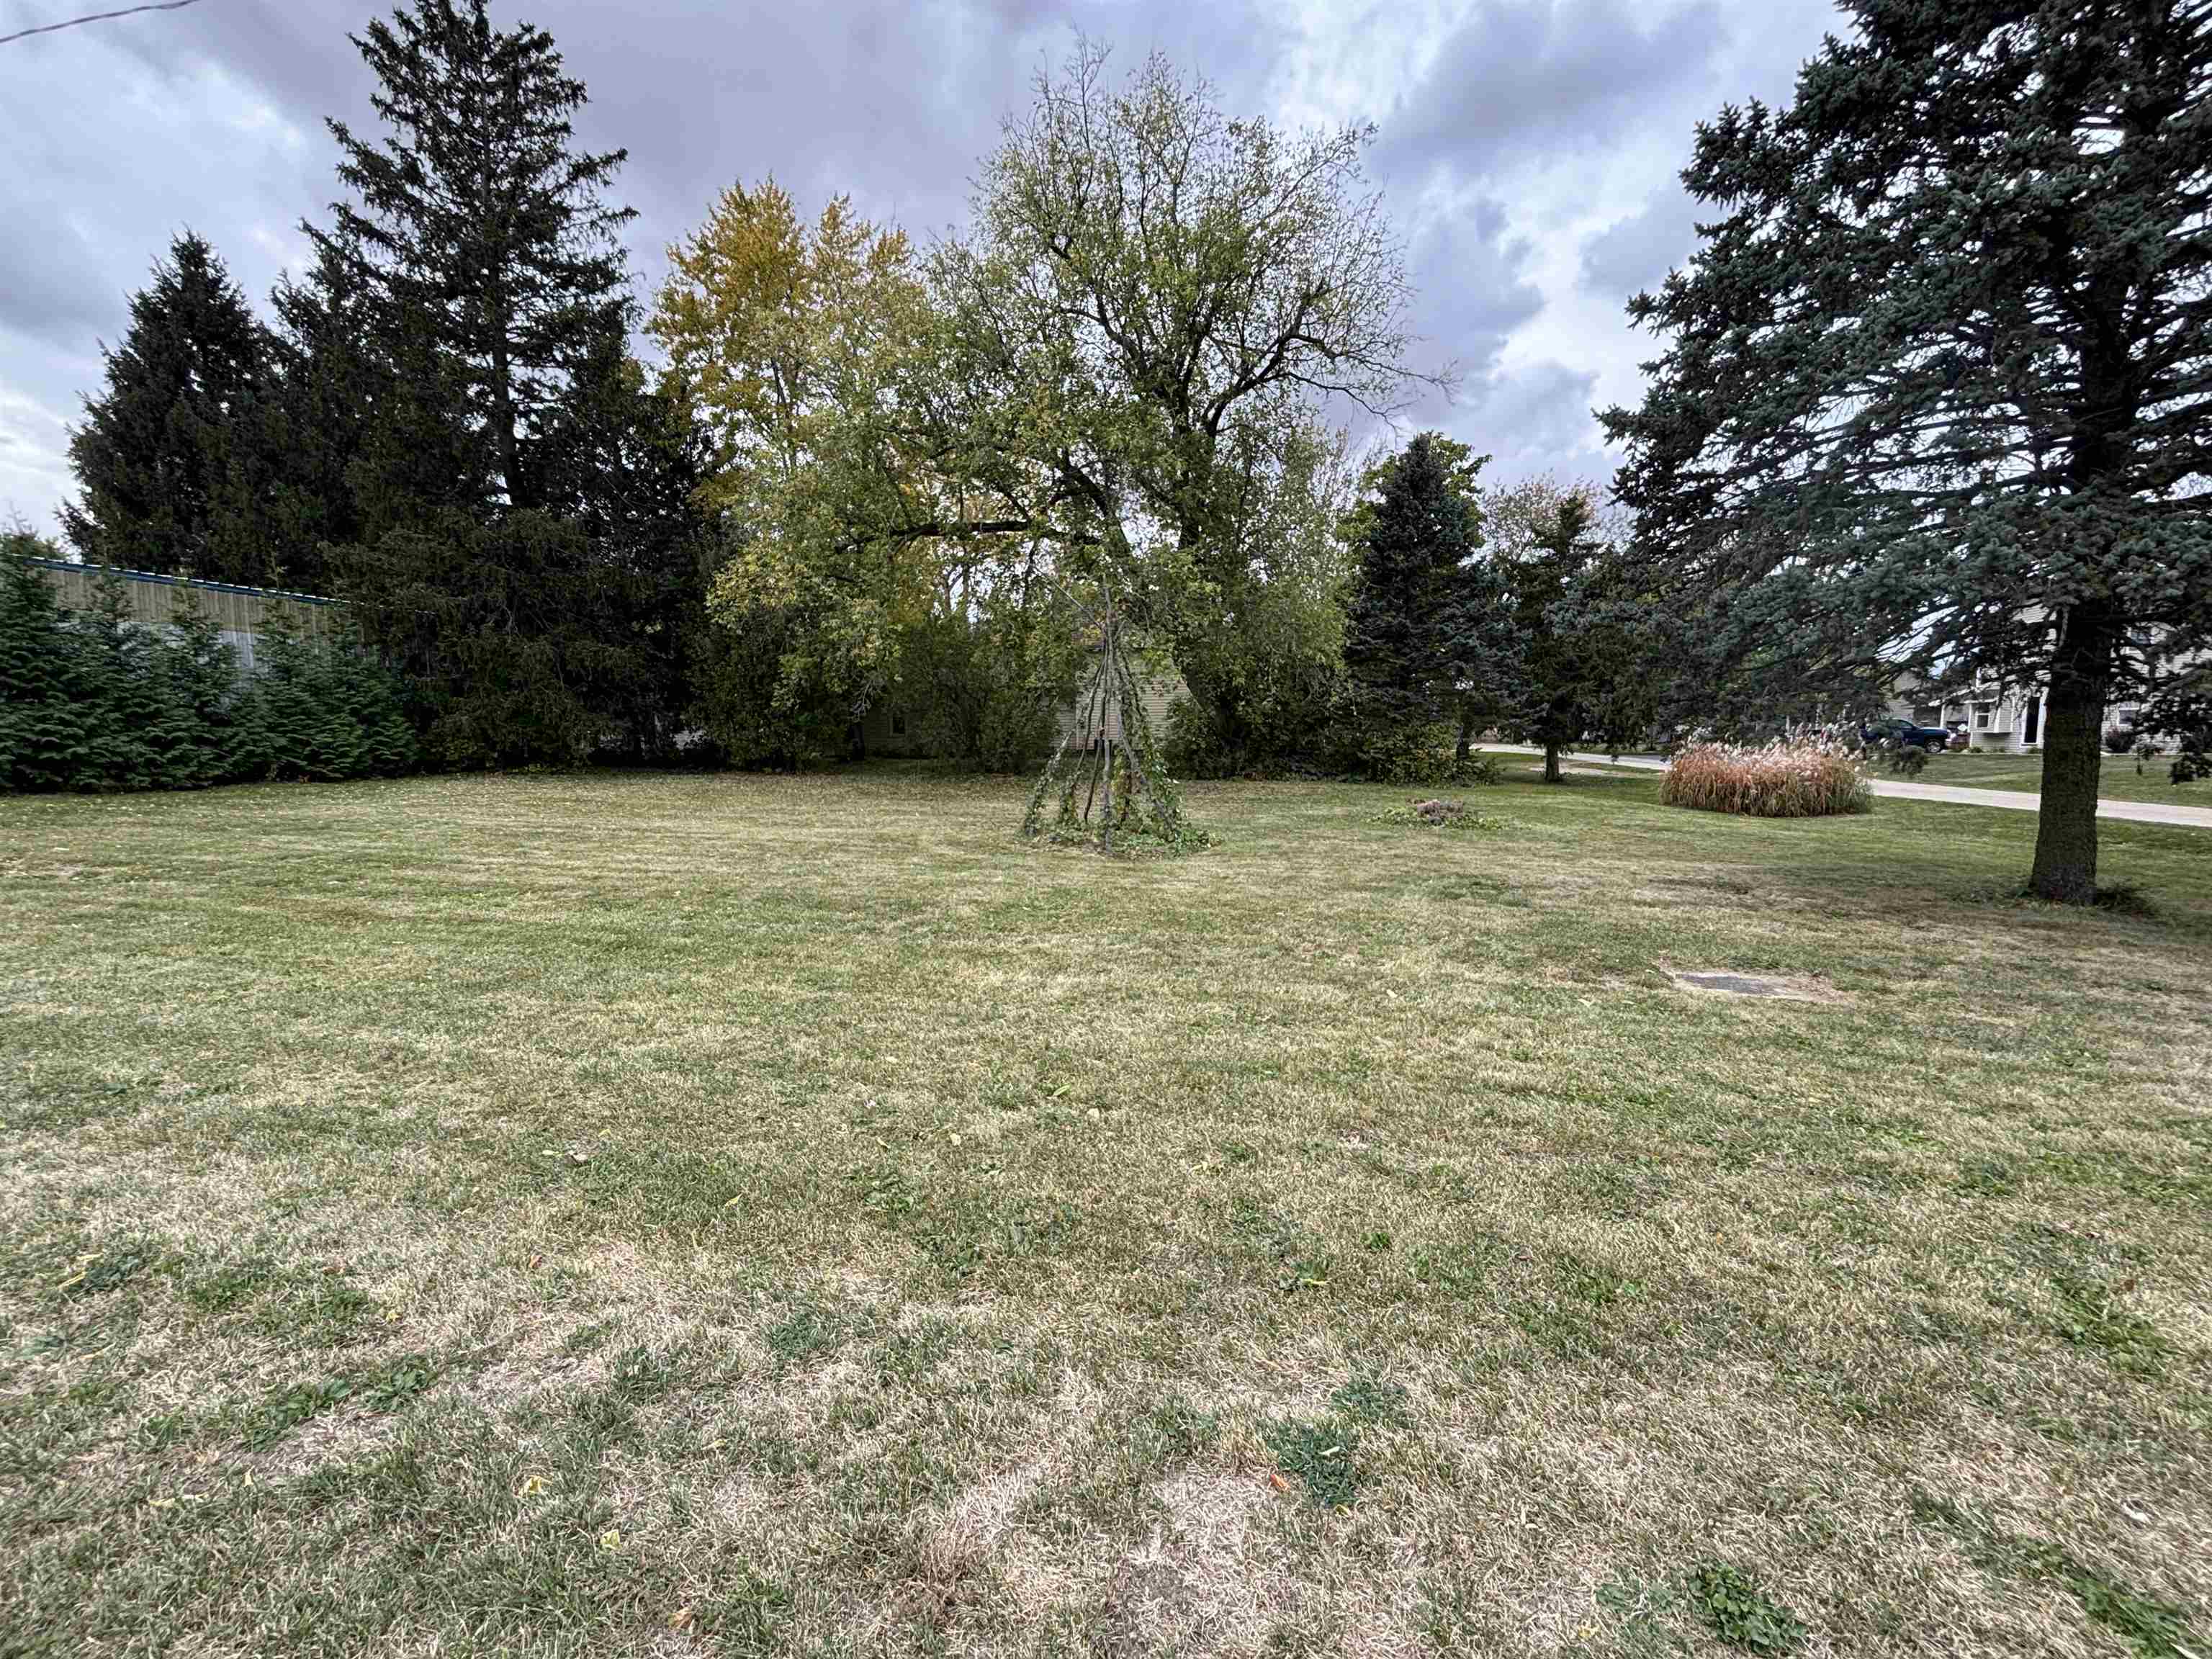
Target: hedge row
[{"x": 93, "y": 700}]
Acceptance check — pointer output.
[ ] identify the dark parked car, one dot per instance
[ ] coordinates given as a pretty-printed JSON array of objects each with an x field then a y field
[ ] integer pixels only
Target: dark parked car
[{"x": 1904, "y": 734}]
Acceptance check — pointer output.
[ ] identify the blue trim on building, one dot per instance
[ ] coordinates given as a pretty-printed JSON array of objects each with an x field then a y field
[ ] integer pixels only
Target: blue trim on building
[{"x": 183, "y": 581}]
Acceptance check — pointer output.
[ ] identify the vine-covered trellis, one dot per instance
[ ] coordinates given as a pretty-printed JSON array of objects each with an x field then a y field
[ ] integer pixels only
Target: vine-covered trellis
[{"x": 1113, "y": 789}]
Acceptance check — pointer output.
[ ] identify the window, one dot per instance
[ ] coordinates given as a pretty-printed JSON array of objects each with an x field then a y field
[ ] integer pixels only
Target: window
[{"x": 898, "y": 722}]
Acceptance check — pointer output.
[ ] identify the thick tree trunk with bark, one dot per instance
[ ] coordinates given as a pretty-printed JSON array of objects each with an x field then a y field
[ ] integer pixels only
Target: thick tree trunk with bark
[
  {"x": 1552, "y": 774},
  {"x": 2073, "y": 758},
  {"x": 1465, "y": 733}
]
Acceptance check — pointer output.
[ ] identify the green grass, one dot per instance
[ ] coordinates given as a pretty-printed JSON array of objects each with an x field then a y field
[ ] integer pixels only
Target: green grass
[
  {"x": 613, "y": 1215},
  {"x": 2121, "y": 779}
]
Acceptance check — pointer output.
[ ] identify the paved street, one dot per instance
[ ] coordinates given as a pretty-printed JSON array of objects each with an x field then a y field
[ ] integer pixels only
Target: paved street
[{"x": 2016, "y": 800}]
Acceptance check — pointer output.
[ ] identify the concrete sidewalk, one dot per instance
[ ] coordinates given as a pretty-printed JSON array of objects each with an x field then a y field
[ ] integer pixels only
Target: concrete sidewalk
[{"x": 2012, "y": 800}]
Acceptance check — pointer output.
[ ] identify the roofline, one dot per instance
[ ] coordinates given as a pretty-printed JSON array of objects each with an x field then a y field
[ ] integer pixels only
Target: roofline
[{"x": 181, "y": 581}]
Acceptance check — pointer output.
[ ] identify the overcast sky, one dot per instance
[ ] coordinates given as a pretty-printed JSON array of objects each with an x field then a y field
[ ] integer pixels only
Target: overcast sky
[{"x": 1528, "y": 148}]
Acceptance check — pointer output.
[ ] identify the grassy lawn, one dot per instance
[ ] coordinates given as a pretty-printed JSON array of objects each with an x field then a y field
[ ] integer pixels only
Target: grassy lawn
[
  {"x": 2024, "y": 772},
  {"x": 671, "y": 1215}
]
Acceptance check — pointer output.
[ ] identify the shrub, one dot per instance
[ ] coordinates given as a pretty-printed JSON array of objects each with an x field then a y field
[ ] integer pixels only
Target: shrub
[
  {"x": 2119, "y": 738},
  {"x": 987, "y": 690},
  {"x": 92, "y": 701},
  {"x": 1286, "y": 726},
  {"x": 1413, "y": 756},
  {"x": 1788, "y": 778},
  {"x": 1438, "y": 815},
  {"x": 1906, "y": 760}
]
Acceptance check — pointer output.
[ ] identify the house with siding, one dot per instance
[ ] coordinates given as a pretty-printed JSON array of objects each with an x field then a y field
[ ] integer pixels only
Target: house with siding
[
  {"x": 242, "y": 614},
  {"x": 2003, "y": 718}
]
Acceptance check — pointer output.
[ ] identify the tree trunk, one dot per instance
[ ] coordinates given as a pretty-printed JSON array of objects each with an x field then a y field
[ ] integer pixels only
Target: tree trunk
[
  {"x": 1465, "y": 733},
  {"x": 502, "y": 420},
  {"x": 2073, "y": 759},
  {"x": 1552, "y": 774}
]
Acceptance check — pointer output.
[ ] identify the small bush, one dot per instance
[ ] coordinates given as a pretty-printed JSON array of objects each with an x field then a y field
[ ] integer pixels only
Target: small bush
[
  {"x": 1788, "y": 778},
  {"x": 1410, "y": 757},
  {"x": 1906, "y": 760},
  {"x": 1438, "y": 815},
  {"x": 2119, "y": 738},
  {"x": 1741, "y": 1612}
]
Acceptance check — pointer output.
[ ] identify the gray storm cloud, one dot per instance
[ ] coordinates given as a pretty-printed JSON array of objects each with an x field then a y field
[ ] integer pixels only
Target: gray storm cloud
[{"x": 1526, "y": 148}]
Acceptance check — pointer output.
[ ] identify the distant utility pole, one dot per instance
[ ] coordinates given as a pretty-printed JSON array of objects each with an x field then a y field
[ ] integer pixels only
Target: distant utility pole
[{"x": 96, "y": 17}]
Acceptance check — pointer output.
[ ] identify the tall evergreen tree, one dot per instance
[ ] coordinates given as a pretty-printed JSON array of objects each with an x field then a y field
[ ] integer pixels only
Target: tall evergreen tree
[
  {"x": 330, "y": 381},
  {"x": 481, "y": 223},
  {"x": 1576, "y": 653},
  {"x": 175, "y": 457},
  {"x": 502, "y": 477},
  {"x": 1939, "y": 378},
  {"x": 1415, "y": 541},
  {"x": 626, "y": 466}
]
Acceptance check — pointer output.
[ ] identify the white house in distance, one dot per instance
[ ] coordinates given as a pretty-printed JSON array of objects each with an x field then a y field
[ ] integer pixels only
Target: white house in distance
[{"x": 2001, "y": 718}]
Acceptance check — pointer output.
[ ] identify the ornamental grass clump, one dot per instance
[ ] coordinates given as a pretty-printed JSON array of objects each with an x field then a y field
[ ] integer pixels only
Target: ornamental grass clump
[{"x": 1788, "y": 778}]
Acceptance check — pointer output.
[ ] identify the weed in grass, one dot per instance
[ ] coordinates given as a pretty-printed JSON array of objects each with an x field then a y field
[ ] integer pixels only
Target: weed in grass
[
  {"x": 224, "y": 1289},
  {"x": 385, "y": 1388},
  {"x": 1168, "y": 1433},
  {"x": 1595, "y": 1284},
  {"x": 884, "y": 1190},
  {"x": 1988, "y": 1177},
  {"x": 1320, "y": 1455},
  {"x": 101, "y": 1271},
  {"x": 640, "y": 1374},
  {"x": 2126, "y": 898},
  {"x": 2090, "y": 1316},
  {"x": 166, "y": 1429},
  {"x": 1460, "y": 1267},
  {"x": 748, "y": 1613},
  {"x": 392, "y": 1386},
  {"x": 1740, "y": 1612},
  {"x": 1454, "y": 1611},
  {"x": 1439, "y": 815},
  {"x": 1370, "y": 1399},
  {"x": 304, "y": 1305},
  {"x": 314, "y": 1308},
  {"x": 1304, "y": 1261},
  {"x": 284, "y": 1410},
  {"x": 586, "y": 1340},
  {"x": 808, "y": 1330}
]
